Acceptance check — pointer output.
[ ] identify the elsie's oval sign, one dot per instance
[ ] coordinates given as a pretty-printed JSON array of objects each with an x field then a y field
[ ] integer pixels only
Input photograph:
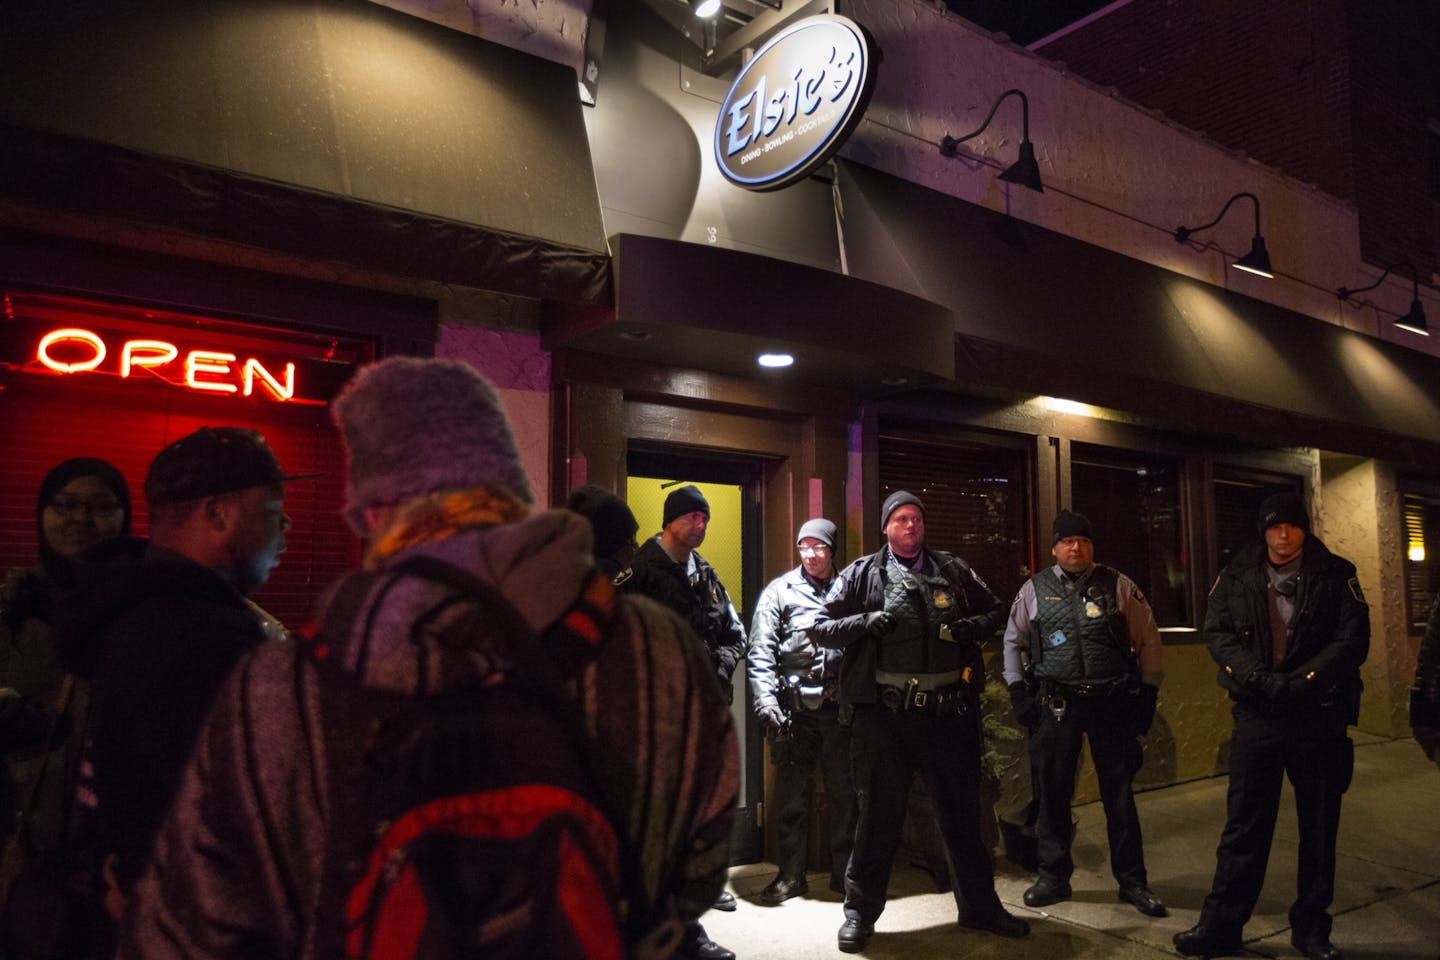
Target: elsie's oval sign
[{"x": 794, "y": 103}]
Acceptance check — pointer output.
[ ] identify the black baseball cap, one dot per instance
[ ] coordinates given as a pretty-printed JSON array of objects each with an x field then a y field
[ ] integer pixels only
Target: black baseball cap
[{"x": 212, "y": 461}]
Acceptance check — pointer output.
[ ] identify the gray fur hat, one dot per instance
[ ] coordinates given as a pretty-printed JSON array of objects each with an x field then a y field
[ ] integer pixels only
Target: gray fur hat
[{"x": 413, "y": 426}]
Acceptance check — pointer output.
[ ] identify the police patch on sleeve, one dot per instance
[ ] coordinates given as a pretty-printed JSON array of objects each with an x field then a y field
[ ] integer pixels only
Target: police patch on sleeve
[{"x": 1355, "y": 591}]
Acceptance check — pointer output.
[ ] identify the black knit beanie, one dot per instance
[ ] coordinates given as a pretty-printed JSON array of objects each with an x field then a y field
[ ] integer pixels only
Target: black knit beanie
[
  {"x": 1068, "y": 524},
  {"x": 609, "y": 517},
  {"x": 1283, "y": 508},
  {"x": 683, "y": 500}
]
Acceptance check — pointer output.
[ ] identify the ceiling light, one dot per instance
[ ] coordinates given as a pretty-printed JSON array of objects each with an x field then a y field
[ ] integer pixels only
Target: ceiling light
[
  {"x": 775, "y": 359},
  {"x": 706, "y": 9},
  {"x": 1257, "y": 261}
]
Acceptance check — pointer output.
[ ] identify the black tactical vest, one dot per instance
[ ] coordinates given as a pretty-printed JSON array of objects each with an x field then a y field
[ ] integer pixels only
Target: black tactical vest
[
  {"x": 917, "y": 600},
  {"x": 1079, "y": 634}
]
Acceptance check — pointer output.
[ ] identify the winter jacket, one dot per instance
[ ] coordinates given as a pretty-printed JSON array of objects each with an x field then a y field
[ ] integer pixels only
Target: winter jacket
[
  {"x": 31, "y": 666},
  {"x": 779, "y": 647},
  {"x": 238, "y": 863},
  {"x": 705, "y": 604},
  {"x": 168, "y": 632},
  {"x": 975, "y": 614},
  {"x": 1329, "y": 631}
]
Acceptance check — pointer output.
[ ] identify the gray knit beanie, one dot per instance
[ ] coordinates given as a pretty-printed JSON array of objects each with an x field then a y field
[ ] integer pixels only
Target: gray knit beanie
[
  {"x": 817, "y": 529},
  {"x": 413, "y": 426}
]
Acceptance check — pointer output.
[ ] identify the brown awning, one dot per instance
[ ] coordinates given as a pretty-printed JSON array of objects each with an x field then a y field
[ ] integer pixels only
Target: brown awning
[
  {"x": 1038, "y": 312},
  {"x": 338, "y": 131},
  {"x": 702, "y": 307}
]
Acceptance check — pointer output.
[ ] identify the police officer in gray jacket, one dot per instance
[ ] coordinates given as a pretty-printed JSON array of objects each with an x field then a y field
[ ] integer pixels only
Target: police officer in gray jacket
[
  {"x": 1082, "y": 660},
  {"x": 911, "y": 621},
  {"x": 795, "y": 684}
]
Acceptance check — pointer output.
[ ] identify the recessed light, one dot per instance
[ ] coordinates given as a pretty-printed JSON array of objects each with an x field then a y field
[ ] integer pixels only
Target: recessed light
[{"x": 775, "y": 359}]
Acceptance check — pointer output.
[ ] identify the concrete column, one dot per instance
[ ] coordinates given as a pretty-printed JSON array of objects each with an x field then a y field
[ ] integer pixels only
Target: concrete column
[{"x": 1358, "y": 516}]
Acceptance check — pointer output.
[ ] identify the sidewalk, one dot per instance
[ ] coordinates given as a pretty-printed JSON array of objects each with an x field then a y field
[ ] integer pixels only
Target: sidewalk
[{"x": 1387, "y": 885}]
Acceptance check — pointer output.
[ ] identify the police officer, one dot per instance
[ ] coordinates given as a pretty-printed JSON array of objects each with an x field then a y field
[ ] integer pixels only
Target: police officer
[
  {"x": 1289, "y": 627},
  {"x": 1082, "y": 659},
  {"x": 910, "y": 621},
  {"x": 795, "y": 685},
  {"x": 668, "y": 569}
]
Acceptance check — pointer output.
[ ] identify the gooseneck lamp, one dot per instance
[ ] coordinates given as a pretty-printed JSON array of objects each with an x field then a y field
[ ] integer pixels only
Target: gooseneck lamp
[
  {"x": 1257, "y": 261},
  {"x": 1024, "y": 171},
  {"x": 1414, "y": 321}
]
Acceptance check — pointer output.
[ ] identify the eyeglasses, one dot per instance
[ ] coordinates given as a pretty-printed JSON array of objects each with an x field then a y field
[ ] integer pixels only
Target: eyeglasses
[
  {"x": 72, "y": 507},
  {"x": 813, "y": 551}
]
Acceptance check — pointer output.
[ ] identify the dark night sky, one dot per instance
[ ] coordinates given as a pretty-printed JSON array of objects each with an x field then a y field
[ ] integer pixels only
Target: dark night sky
[{"x": 1024, "y": 20}]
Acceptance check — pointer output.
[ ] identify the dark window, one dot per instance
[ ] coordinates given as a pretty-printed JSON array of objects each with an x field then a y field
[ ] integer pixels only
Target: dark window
[
  {"x": 1238, "y": 495},
  {"x": 1422, "y": 550},
  {"x": 976, "y": 502},
  {"x": 1133, "y": 503}
]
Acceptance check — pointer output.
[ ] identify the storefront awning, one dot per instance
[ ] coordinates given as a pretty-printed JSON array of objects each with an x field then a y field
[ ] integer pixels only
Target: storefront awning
[
  {"x": 342, "y": 133},
  {"x": 694, "y": 306},
  {"x": 1038, "y": 312}
]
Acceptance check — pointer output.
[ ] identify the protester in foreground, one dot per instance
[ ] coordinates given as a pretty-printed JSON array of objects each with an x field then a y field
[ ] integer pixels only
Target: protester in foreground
[
  {"x": 466, "y": 592},
  {"x": 1289, "y": 627},
  {"x": 164, "y": 621},
  {"x": 796, "y": 684},
  {"x": 1083, "y": 661},
  {"x": 910, "y": 621},
  {"x": 44, "y": 707}
]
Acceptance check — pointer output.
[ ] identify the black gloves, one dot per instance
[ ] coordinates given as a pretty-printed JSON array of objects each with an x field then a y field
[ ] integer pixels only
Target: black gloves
[
  {"x": 1025, "y": 704},
  {"x": 1145, "y": 701},
  {"x": 1274, "y": 687},
  {"x": 771, "y": 715},
  {"x": 879, "y": 623}
]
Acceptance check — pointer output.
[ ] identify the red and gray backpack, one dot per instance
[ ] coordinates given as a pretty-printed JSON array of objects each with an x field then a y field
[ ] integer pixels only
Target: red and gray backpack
[{"x": 470, "y": 823}]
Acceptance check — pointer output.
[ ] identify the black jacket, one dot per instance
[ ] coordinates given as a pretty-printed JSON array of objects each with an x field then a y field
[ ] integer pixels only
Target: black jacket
[
  {"x": 1329, "y": 632},
  {"x": 705, "y": 605},
  {"x": 167, "y": 633},
  {"x": 860, "y": 589}
]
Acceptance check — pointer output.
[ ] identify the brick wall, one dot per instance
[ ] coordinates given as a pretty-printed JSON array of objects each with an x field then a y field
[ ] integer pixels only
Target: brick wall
[{"x": 1333, "y": 92}]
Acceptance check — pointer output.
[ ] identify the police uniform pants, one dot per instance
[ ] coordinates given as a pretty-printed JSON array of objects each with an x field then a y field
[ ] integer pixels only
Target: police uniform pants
[
  {"x": 816, "y": 740},
  {"x": 1310, "y": 746},
  {"x": 1116, "y": 752},
  {"x": 887, "y": 749}
]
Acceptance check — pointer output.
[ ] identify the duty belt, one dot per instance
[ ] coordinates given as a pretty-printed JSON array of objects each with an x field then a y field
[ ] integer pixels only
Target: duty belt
[
  {"x": 902, "y": 691},
  {"x": 1103, "y": 688}
]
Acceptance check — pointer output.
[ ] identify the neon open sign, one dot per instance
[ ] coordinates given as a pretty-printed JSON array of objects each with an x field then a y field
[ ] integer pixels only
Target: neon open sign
[{"x": 72, "y": 350}]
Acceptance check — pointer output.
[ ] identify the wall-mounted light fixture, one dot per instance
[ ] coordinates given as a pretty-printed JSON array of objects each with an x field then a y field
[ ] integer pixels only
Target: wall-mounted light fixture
[
  {"x": 1257, "y": 261},
  {"x": 1024, "y": 171},
  {"x": 1414, "y": 321}
]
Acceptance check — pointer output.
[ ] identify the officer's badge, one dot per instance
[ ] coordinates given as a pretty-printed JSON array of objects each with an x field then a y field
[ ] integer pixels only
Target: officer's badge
[
  {"x": 1355, "y": 590},
  {"x": 941, "y": 598},
  {"x": 1092, "y": 609}
]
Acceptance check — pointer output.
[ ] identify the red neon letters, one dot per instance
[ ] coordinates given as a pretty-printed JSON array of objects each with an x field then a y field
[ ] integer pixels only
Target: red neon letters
[{"x": 211, "y": 371}]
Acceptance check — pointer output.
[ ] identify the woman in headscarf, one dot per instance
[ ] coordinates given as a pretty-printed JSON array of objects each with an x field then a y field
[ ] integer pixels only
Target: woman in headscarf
[{"x": 82, "y": 503}]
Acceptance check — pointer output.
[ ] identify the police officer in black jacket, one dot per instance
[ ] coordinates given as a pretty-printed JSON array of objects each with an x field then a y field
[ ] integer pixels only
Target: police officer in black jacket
[
  {"x": 911, "y": 621},
  {"x": 1289, "y": 627}
]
